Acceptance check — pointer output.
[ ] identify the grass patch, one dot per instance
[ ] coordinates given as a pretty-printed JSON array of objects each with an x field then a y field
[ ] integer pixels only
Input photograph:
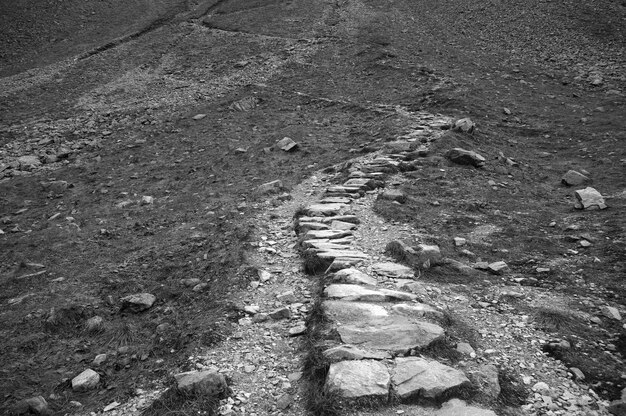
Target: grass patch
[
  {"x": 554, "y": 319},
  {"x": 313, "y": 264},
  {"x": 397, "y": 251},
  {"x": 173, "y": 403},
  {"x": 513, "y": 392}
]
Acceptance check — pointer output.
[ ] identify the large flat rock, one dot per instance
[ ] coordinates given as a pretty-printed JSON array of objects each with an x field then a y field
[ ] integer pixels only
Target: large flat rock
[
  {"x": 417, "y": 310},
  {"x": 326, "y": 234},
  {"x": 419, "y": 377},
  {"x": 354, "y": 379},
  {"x": 350, "y": 352},
  {"x": 396, "y": 334}
]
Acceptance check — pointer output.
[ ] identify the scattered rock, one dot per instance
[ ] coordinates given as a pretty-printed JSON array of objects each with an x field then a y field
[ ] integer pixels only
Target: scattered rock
[
  {"x": 146, "y": 200},
  {"x": 465, "y": 157},
  {"x": 497, "y": 267},
  {"x": 466, "y": 349},
  {"x": 464, "y": 125},
  {"x": 280, "y": 313},
  {"x": 199, "y": 116},
  {"x": 138, "y": 302},
  {"x": 286, "y": 144},
  {"x": 271, "y": 187},
  {"x": 110, "y": 406},
  {"x": 29, "y": 162},
  {"x": 38, "y": 405},
  {"x": 297, "y": 330},
  {"x": 393, "y": 195},
  {"x": 87, "y": 380},
  {"x": 99, "y": 360},
  {"x": 611, "y": 312},
  {"x": 589, "y": 199},
  {"x": 55, "y": 187},
  {"x": 459, "y": 241},
  {"x": 210, "y": 383},
  {"x": 287, "y": 297},
  {"x": 95, "y": 324},
  {"x": 417, "y": 310},
  {"x": 578, "y": 374},
  {"x": 574, "y": 178},
  {"x": 284, "y": 401},
  {"x": 365, "y": 378},
  {"x": 419, "y": 377},
  {"x": 542, "y": 388}
]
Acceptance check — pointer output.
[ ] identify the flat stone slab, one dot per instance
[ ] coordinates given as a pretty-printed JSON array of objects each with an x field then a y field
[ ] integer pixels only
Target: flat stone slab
[
  {"x": 350, "y": 352},
  {"x": 589, "y": 198},
  {"x": 394, "y": 270},
  {"x": 342, "y": 254},
  {"x": 326, "y": 244},
  {"x": 343, "y": 263},
  {"x": 335, "y": 200},
  {"x": 337, "y": 189},
  {"x": 308, "y": 226},
  {"x": 324, "y": 209},
  {"x": 359, "y": 293},
  {"x": 342, "y": 225},
  {"x": 456, "y": 407},
  {"x": 341, "y": 311},
  {"x": 419, "y": 377},
  {"x": 326, "y": 234},
  {"x": 354, "y": 379},
  {"x": 362, "y": 183},
  {"x": 417, "y": 310},
  {"x": 354, "y": 276},
  {"x": 396, "y": 334}
]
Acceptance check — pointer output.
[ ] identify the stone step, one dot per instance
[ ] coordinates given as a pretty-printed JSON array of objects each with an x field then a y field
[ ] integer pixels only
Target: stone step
[
  {"x": 353, "y": 276},
  {"x": 336, "y": 200},
  {"x": 359, "y": 293},
  {"x": 355, "y": 379},
  {"x": 396, "y": 334},
  {"x": 393, "y": 270},
  {"x": 327, "y": 220},
  {"x": 342, "y": 225},
  {"x": 416, "y": 377},
  {"x": 327, "y": 234},
  {"x": 338, "y": 189},
  {"x": 324, "y": 209}
]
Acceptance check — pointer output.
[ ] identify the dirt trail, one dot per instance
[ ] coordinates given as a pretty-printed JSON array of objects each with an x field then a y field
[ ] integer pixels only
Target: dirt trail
[{"x": 136, "y": 170}]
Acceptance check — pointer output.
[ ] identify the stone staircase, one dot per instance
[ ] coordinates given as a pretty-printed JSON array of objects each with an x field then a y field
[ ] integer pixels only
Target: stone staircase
[{"x": 376, "y": 325}]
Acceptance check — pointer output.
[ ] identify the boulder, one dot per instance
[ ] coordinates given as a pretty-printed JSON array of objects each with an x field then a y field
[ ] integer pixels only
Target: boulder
[
  {"x": 87, "y": 380},
  {"x": 354, "y": 379},
  {"x": 589, "y": 199},
  {"x": 419, "y": 377},
  {"x": 206, "y": 383}
]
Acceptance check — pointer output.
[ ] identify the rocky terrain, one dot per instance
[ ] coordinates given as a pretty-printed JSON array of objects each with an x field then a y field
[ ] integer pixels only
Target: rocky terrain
[{"x": 326, "y": 207}]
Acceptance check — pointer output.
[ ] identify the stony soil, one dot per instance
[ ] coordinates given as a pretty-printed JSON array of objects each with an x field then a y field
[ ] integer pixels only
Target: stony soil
[{"x": 109, "y": 186}]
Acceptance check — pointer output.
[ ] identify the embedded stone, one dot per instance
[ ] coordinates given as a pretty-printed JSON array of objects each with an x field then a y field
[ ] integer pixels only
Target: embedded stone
[
  {"x": 324, "y": 209},
  {"x": 465, "y": 125},
  {"x": 286, "y": 144},
  {"x": 270, "y": 187},
  {"x": 611, "y": 312},
  {"x": 397, "y": 334},
  {"x": 393, "y": 270},
  {"x": 417, "y": 310},
  {"x": 457, "y": 407},
  {"x": 393, "y": 195},
  {"x": 346, "y": 312},
  {"x": 354, "y": 293},
  {"x": 419, "y": 377},
  {"x": 497, "y": 267},
  {"x": 350, "y": 352},
  {"x": 327, "y": 234},
  {"x": 574, "y": 178},
  {"x": 354, "y": 276},
  {"x": 429, "y": 253},
  {"x": 354, "y": 379}
]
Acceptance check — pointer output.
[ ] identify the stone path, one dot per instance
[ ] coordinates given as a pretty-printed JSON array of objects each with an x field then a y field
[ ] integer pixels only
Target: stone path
[{"x": 378, "y": 327}]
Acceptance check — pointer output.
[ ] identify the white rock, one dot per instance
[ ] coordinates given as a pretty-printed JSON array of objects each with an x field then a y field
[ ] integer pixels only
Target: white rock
[{"x": 87, "y": 380}]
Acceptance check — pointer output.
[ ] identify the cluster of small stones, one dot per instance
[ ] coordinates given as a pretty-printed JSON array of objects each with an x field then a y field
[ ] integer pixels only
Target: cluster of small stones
[{"x": 381, "y": 330}]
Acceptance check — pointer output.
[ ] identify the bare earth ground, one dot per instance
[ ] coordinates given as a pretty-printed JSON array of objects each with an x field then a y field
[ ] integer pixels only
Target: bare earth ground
[{"x": 103, "y": 93}]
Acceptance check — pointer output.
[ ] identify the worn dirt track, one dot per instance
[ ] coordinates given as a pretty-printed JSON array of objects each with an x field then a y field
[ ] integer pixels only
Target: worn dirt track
[{"x": 103, "y": 95}]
